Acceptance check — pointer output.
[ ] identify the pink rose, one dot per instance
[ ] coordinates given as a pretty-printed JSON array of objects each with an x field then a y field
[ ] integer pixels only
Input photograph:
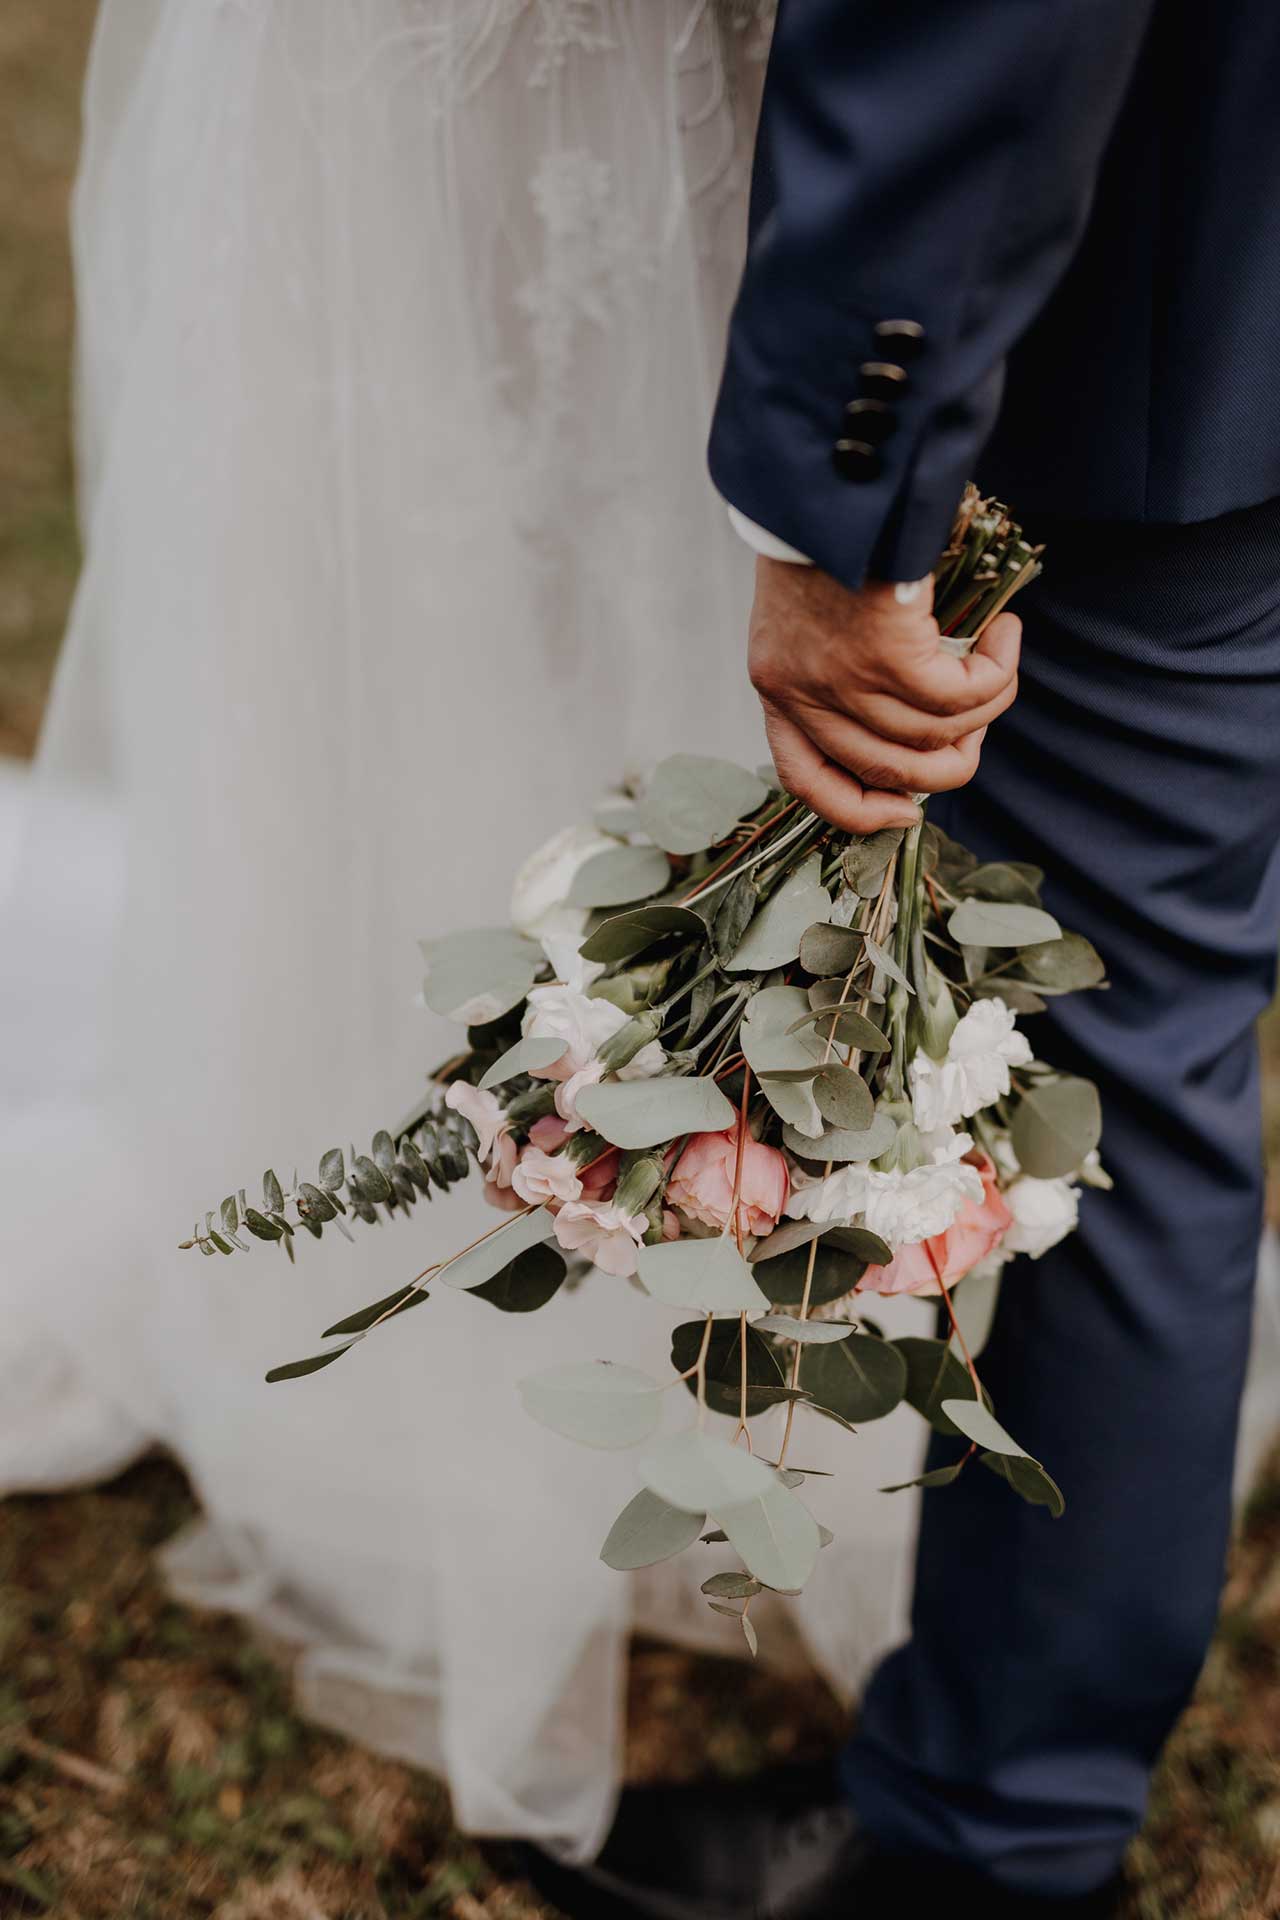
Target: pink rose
[
  {"x": 930, "y": 1265},
  {"x": 542, "y": 1176},
  {"x": 548, "y": 1133},
  {"x": 701, "y": 1184},
  {"x": 608, "y": 1237}
]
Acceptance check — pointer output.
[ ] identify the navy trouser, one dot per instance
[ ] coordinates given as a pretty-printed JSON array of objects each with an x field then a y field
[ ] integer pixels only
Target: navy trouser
[{"x": 1140, "y": 766}]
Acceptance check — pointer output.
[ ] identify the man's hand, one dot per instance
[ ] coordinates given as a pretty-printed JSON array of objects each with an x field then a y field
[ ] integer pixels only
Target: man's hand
[{"x": 862, "y": 704}]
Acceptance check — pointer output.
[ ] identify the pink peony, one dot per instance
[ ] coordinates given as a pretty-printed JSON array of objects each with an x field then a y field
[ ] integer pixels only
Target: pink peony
[
  {"x": 927, "y": 1266},
  {"x": 542, "y": 1176},
  {"x": 608, "y": 1237},
  {"x": 701, "y": 1184}
]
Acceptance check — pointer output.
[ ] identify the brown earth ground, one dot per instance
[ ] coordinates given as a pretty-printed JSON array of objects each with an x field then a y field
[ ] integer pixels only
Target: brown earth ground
[{"x": 150, "y": 1765}]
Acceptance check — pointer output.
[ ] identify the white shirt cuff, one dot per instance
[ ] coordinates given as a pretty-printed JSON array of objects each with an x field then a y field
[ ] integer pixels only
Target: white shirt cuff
[{"x": 763, "y": 541}]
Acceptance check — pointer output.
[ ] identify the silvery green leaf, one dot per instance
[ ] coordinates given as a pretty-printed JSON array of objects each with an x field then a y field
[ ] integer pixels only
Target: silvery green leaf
[
  {"x": 723, "y": 1366},
  {"x": 707, "y": 1276},
  {"x": 332, "y": 1170},
  {"x": 693, "y": 801},
  {"x": 734, "y": 916},
  {"x": 887, "y": 964},
  {"x": 1055, "y": 1124},
  {"x": 863, "y": 1245},
  {"x": 936, "y": 1477},
  {"x": 526, "y": 1283},
  {"x": 625, "y": 934},
  {"x": 934, "y": 1374},
  {"x": 479, "y": 1263},
  {"x": 272, "y": 1193},
  {"x": 998, "y": 923},
  {"x": 1017, "y": 997},
  {"x": 398, "y": 1302},
  {"x": 979, "y": 1424},
  {"x": 478, "y": 976},
  {"x": 827, "y": 949},
  {"x": 595, "y": 1402},
  {"x": 844, "y": 1026},
  {"x": 297, "y": 1369},
  {"x": 1010, "y": 880},
  {"x": 384, "y": 1152},
  {"x": 773, "y": 938},
  {"x": 616, "y": 814},
  {"x": 861, "y": 1379},
  {"x": 647, "y": 1531},
  {"x": 374, "y": 1184},
  {"x": 771, "y": 1049},
  {"x": 1028, "y": 1478},
  {"x": 230, "y": 1214},
  {"x": 774, "y": 1535},
  {"x": 866, "y": 858},
  {"x": 1062, "y": 966},
  {"x": 730, "y": 1586},
  {"x": 697, "y": 1473},
  {"x": 786, "y": 1237},
  {"x": 806, "y": 1332},
  {"x": 834, "y": 1273},
  {"x": 840, "y": 1144},
  {"x": 618, "y": 875},
  {"x": 527, "y": 1056},
  {"x": 648, "y": 1113},
  {"x": 844, "y": 1098}
]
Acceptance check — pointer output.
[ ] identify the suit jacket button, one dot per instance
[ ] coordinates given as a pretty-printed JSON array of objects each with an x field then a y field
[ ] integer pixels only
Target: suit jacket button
[
  {"x": 900, "y": 340},
  {"x": 870, "y": 420},
  {"x": 855, "y": 460},
  {"x": 882, "y": 380}
]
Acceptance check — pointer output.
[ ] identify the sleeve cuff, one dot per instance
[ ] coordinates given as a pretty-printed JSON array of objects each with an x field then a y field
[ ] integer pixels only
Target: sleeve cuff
[{"x": 763, "y": 541}]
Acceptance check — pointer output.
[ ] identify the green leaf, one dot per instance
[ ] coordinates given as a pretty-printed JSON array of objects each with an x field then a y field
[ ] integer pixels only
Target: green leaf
[
  {"x": 332, "y": 1170},
  {"x": 835, "y": 1273},
  {"x": 297, "y": 1369},
  {"x": 1028, "y": 1478},
  {"x": 475, "y": 1265},
  {"x": 859, "y": 1379},
  {"x": 618, "y": 815},
  {"x": 1016, "y": 997},
  {"x": 841, "y": 1144},
  {"x": 647, "y": 1531},
  {"x": 934, "y": 1374},
  {"x": 786, "y": 1237},
  {"x": 619, "y": 875},
  {"x": 997, "y": 923},
  {"x": 478, "y": 976},
  {"x": 731, "y": 1586},
  {"x": 230, "y": 1214},
  {"x": 825, "y": 949},
  {"x": 374, "y": 1184},
  {"x": 866, "y": 858},
  {"x": 724, "y": 1366},
  {"x": 772, "y": 1049},
  {"x": 533, "y": 1277},
  {"x": 773, "y": 938},
  {"x": 1055, "y": 1125},
  {"x": 805, "y": 1332},
  {"x": 749, "y": 1634},
  {"x": 527, "y": 1056},
  {"x": 693, "y": 801},
  {"x": 595, "y": 1402},
  {"x": 1064, "y": 965},
  {"x": 844, "y": 1098},
  {"x": 774, "y": 1535},
  {"x": 700, "y": 1474},
  {"x": 977, "y": 1422},
  {"x": 734, "y": 916},
  {"x": 626, "y": 934},
  {"x": 862, "y": 1244},
  {"x": 272, "y": 1193},
  {"x": 260, "y": 1228},
  {"x": 936, "y": 1477},
  {"x": 845, "y": 1026},
  {"x": 649, "y": 1113},
  {"x": 401, "y": 1300},
  {"x": 1004, "y": 880},
  {"x": 707, "y": 1276},
  {"x": 885, "y": 961}
]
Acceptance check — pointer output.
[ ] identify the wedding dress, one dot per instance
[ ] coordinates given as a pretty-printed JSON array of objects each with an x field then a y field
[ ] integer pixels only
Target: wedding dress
[{"x": 399, "y": 328}]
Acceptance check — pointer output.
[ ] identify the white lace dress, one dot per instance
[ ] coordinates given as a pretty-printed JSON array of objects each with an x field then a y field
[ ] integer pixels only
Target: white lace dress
[{"x": 400, "y": 322}]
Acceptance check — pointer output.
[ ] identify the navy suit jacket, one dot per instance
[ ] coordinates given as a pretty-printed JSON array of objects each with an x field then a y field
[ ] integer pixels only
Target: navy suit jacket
[{"x": 1033, "y": 240}]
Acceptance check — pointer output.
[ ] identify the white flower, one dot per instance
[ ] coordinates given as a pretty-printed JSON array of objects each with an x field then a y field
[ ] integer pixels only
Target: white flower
[
  {"x": 607, "y": 1236},
  {"x": 543, "y": 1176},
  {"x": 562, "y": 1013},
  {"x": 484, "y": 1111},
  {"x": 1044, "y": 1212},
  {"x": 537, "y": 900},
  {"x": 983, "y": 1047},
  {"x": 568, "y": 1090},
  {"x": 901, "y": 1207}
]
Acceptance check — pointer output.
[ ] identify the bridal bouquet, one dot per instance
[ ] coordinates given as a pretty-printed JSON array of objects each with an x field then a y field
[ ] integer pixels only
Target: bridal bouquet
[{"x": 761, "y": 1070}]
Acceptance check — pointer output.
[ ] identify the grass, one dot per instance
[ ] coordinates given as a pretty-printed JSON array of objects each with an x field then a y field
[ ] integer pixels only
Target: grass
[{"x": 151, "y": 1766}]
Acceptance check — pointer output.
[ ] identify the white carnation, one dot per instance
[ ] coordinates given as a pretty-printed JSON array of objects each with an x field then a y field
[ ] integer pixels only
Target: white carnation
[
  {"x": 563, "y": 1013},
  {"x": 538, "y": 894},
  {"x": 902, "y": 1208},
  {"x": 1044, "y": 1212},
  {"x": 983, "y": 1047}
]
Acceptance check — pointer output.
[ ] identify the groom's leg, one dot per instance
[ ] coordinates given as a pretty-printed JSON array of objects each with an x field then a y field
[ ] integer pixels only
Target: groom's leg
[{"x": 1141, "y": 768}]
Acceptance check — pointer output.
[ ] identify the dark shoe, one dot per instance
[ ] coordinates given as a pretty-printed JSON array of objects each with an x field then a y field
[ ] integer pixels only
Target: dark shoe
[{"x": 785, "y": 1846}]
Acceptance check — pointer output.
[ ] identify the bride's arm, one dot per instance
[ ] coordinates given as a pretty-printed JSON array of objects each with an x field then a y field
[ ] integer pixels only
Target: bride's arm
[{"x": 927, "y": 162}]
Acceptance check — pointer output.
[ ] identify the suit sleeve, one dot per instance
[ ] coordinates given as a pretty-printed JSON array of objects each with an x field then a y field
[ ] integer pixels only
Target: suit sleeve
[{"x": 923, "y": 175}]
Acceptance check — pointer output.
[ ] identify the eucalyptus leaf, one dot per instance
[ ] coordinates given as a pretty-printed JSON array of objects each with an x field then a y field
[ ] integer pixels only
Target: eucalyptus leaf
[
  {"x": 860, "y": 1379},
  {"x": 774, "y": 1535},
  {"x": 934, "y": 1374},
  {"x": 835, "y": 1273},
  {"x": 786, "y": 1237},
  {"x": 1005, "y": 880},
  {"x": 936, "y": 1477},
  {"x": 1016, "y": 997},
  {"x": 734, "y": 916},
  {"x": 692, "y": 801},
  {"x": 771, "y": 1049},
  {"x": 844, "y": 1098},
  {"x": 478, "y": 976},
  {"x": 863, "y": 1245},
  {"x": 530, "y": 1280},
  {"x": 885, "y": 961},
  {"x": 332, "y": 1169},
  {"x": 1064, "y": 965},
  {"x": 398, "y": 1302},
  {"x": 805, "y": 1332},
  {"x": 618, "y": 815},
  {"x": 998, "y": 923},
  {"x": 865, "y": 859},
  {"x": 723, "y": 1366},
  {"x": 648, "y": 1113},
  {"x": 773, "y": 938},
  {"x": 298, "y": 1369},
  {"x": 595, "y": 1402},
  {"x": 527, "y": 1056},
  {"x": 707, "y": 1276},
  {"x": 700, "y": 1474},
  {"x": 841, "y": 1145},
  {"x": 1055, "y": 1125},
  {"x": 618, "y": 875},
  {"x": 647, "y": 1531},
  {"x": 475, "y": 1265},
  {"x": 846, "y": 1026},
  {"x": 624, "y": 935},
  {"x": 731, "y": 1586},
  {"x": 1028, "y": 1478},
  {"x": 826, "y": 949},
  {"x": 272, "y": 1193},
  {"x": 979, "y": 1424}
]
